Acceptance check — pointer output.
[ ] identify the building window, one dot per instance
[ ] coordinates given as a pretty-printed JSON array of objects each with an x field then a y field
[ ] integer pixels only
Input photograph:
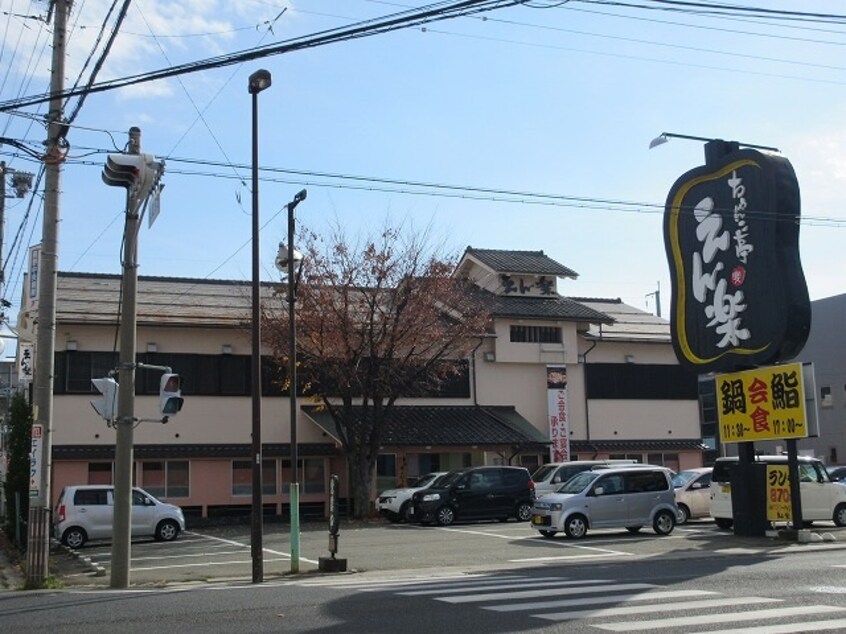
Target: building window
[
  {"x": 825, "y": 397},
  {"x": 242, "y": 477},
  {"x": 535, "y": 334},
  {"x": 166, "y": 478},
  {"x": 669, "y": 460},
  {"x": 386, "y": 471},
  {"x": 312, "y": 474},
  {"x": 99, "y": 473},
  {"x": 637, "y": 457}
]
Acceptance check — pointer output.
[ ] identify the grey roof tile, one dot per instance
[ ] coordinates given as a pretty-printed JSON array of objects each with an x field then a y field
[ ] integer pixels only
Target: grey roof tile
[{"x": 529, "y": 262}]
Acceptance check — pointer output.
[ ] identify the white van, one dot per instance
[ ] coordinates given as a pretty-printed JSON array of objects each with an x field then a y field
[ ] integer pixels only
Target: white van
[
  {"x": 551, "y": 475},
  {"x": 87, "y": 512},
  {"x": 822, "y": 499}
]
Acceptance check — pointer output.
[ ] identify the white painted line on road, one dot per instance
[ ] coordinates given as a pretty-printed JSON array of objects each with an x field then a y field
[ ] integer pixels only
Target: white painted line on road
[
  {"x": 565, "y": 557},
  {"x": 561, "y": 544},
  {"x": 787, "y": 628},
  {"x": 611, "y": 598},
  {"x": 246, "y": 546},
  {"x": 198, "y": 565},
  {"x": 530, "y": 594},
  {"x": 647, "y": 609},
  {"x": 541, "y": 582},
  {"x": 403, "y": 582},
  {"x": 706, "y": 619}
]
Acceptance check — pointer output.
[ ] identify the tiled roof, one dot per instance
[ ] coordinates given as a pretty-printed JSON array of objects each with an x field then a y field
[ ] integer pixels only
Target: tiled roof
[
  {"x": 629, "y": 323},
  {"x": 622, "y": 446},
  {"x": 422, "y": 425},
  {"x": 148, "y": 452},
  {"x": 529, "y": 262},
  {"x": 95, "y": 298},
  {"x": 547, "y": 308}
]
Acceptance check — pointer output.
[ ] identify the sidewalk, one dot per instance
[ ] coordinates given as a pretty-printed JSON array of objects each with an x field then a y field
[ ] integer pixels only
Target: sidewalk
[{"x": 11, "y": 576}]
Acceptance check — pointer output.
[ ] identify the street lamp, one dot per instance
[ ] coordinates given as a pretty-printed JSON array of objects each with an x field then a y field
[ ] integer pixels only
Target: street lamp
[
  {"x": 285, "y": 260},
  {"x": 662, "y": 138},
  {"x": 259, "y": 80}
]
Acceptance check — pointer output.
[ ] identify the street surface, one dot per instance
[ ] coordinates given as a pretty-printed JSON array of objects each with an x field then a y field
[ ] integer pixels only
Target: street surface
[{"x": 471, "y": 578}]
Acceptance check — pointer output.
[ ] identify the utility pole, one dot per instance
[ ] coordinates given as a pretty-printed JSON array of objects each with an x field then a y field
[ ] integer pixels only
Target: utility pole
[
  {"x": 38, "y": 534},
  {"x": 125, "y": 423}
]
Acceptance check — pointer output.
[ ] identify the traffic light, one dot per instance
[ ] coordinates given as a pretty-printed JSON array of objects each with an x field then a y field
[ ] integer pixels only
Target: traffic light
[
  {"x": 137, "y": 172},
  {"x": 106, "y": 407},
  {"x": 170, "y": 394}
]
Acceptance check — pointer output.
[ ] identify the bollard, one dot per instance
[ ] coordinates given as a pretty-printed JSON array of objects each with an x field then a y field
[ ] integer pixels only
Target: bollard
[{"x": 331, "y": 563}]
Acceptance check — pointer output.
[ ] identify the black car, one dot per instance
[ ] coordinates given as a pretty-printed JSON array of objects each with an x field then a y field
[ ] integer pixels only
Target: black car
[{"x": 477, "y": 493}]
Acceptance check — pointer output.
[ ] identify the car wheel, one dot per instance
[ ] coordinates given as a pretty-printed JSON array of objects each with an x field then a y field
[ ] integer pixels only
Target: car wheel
[
  {"x": 74, "y": 537},
  {"x": 405, "y": 512},
  {"x": 664, "y": 523},
  {"x": 725, "y": 523},
  {"x": 840, "y": 515},
  {"x": 548, "y": 534},
  {"x": 576, "y": 526},
  {"x": 633, "y": 529},
  {"x": 445, "y": 516},
  {"x": 683, "y": 516},
  {"x": 524, "y": 511},
  {"x": 167, "y": 530}
]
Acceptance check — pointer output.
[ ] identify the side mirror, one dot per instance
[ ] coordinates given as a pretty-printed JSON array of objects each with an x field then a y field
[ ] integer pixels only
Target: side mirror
[
  {"x": 599, "y": 491},
  {"x": 556, "y": 479}
]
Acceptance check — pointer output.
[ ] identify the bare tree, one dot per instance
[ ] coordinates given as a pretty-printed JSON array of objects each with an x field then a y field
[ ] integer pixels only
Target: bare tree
[{"x": 376, "y": 321}]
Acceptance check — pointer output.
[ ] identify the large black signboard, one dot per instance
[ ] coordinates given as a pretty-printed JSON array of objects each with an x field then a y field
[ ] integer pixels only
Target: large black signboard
[{"x": 731, "y": 232}]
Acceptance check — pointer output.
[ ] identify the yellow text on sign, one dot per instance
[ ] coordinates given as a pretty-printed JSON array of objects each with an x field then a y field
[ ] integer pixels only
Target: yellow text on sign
[
  {"x": 778, "y": 493},
  {"x": 762, "y": 404}
]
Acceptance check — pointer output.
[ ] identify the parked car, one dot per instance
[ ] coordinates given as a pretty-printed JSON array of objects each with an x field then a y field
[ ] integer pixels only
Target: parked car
[
  {"x": 618, "y": 497},
  {"x": 476, "y": 493},
  {"x": 837, "y": 473},
  {"x": 821, "y": 498},
  {"x": 693, "y": 493},
  {"x": 86, "y": 512},
  {"x": 395, "y": 504},
  {"x": 548, "y": 477}
]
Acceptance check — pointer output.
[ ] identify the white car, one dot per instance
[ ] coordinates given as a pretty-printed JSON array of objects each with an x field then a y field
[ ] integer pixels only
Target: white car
[{"x": 395, "y": 504}]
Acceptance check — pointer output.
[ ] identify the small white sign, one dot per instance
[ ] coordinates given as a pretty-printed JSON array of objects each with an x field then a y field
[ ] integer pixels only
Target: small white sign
[{"x": 35, "y": 460}]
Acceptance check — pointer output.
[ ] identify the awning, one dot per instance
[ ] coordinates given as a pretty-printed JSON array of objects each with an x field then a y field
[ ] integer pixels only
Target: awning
[
  {"x": 445, "y": 426},
  {"x": 622, "y": 446},
  {"x": 151, "y": 452}
]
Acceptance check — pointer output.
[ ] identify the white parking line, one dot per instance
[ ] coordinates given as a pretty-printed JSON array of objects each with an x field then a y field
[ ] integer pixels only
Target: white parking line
[{"x": 245, "y": 546}]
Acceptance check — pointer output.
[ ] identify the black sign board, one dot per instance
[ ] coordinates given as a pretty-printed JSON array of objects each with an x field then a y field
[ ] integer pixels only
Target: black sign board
[{"x": 731, "y": 233}]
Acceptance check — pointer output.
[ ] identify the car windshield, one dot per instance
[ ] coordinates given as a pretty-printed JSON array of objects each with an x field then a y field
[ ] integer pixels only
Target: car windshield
[
  {"x": 427, "y": 479},
  {"x": 447, "y": 479},
  {"x": 683, "y": 477},
  {"x": 543, "y": 471},
  {"x": 578, "y": 482}
]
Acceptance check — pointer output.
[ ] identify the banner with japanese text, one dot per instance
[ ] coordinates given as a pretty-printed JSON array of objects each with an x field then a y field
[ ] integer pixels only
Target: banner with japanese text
[
  {"x": 778, "y": 493},
  {"x": 762, "y": 404},
  {"x": 559, "y": 424}
]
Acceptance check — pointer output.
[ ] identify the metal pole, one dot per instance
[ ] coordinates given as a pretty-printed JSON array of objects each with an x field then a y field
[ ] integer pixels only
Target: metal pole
[
  {"x": 292, "y": 398},
  {"x": 2, "y": 222},
  {"x": 125, "y": 424},
  {"x": 258, "y": 82},
  {"x": 38, "y": 546}
]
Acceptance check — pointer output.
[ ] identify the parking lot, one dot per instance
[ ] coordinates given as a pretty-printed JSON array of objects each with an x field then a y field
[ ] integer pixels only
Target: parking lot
[{"x": 224, "y": 553}]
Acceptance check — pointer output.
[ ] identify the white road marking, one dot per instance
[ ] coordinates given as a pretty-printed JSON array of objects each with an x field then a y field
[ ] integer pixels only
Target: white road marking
[
  {"x": 612, "y": 598},
  {"x": 534, "y": 583},
  {"x": 730, "y": 617},
  {"x": 646, "y": 609},
  {"x": 787, "y": 628},
  {"x": 246, "y": 546},
  {"x": 529, "y": 594}
]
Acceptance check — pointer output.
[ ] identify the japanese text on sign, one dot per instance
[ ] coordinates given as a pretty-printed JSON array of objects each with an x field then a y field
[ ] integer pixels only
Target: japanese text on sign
[
  {"x": 778, "y": 493},
  {"x": 760, "y": 404}
]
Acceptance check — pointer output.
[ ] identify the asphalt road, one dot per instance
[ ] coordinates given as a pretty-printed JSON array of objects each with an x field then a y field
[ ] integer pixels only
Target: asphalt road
[
  {"x": 739, "y": 589},
  {"x": 224, "y": 553}
]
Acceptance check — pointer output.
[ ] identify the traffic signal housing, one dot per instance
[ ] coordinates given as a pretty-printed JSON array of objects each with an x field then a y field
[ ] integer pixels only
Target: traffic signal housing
[
  {"x": 106, "y": 406},
  {"x": 170, "y": 394},
  {"x": 136, "y": 172}
]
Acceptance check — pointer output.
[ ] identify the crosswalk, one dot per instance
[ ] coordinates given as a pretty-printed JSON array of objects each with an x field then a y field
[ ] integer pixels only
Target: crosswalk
[{"x": 608, "y": 605}]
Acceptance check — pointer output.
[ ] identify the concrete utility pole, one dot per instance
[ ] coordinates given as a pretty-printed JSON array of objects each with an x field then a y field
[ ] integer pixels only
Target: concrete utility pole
[
  {"x": 38, "y": 540},
  {"x": 125, "y": 423}
]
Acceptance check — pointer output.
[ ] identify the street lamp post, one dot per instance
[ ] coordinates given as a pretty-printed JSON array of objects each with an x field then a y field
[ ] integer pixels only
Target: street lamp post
[
  {"x": 286, "y": 259},
  {"x": 259, "y": 80}
]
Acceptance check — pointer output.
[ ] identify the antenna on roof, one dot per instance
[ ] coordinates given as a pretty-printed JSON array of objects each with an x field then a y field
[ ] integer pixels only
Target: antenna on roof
[{"x": 657, "y": 295}]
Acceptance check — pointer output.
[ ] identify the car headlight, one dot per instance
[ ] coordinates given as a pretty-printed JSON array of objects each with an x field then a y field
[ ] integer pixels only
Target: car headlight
[
  {"x": 431, "y": 497},
  {"x": 556, "y": 506}
]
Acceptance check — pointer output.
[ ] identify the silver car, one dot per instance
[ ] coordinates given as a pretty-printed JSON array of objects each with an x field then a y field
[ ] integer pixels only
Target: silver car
[
  {"x": 86, "y": 512},
  {"x": 620, "y": 497}
]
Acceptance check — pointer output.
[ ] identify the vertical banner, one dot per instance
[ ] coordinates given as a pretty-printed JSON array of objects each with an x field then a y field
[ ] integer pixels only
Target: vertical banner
[
  {"x": 26, "y": 362},
  {"x": 559, "y": 423},
  {"x": 34, "y": 262},
  {"x": 35, "y": 459}
]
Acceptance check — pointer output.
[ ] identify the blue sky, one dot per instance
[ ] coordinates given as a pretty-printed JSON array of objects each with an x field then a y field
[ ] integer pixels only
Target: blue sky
[{"x": 561, "y": 100}]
